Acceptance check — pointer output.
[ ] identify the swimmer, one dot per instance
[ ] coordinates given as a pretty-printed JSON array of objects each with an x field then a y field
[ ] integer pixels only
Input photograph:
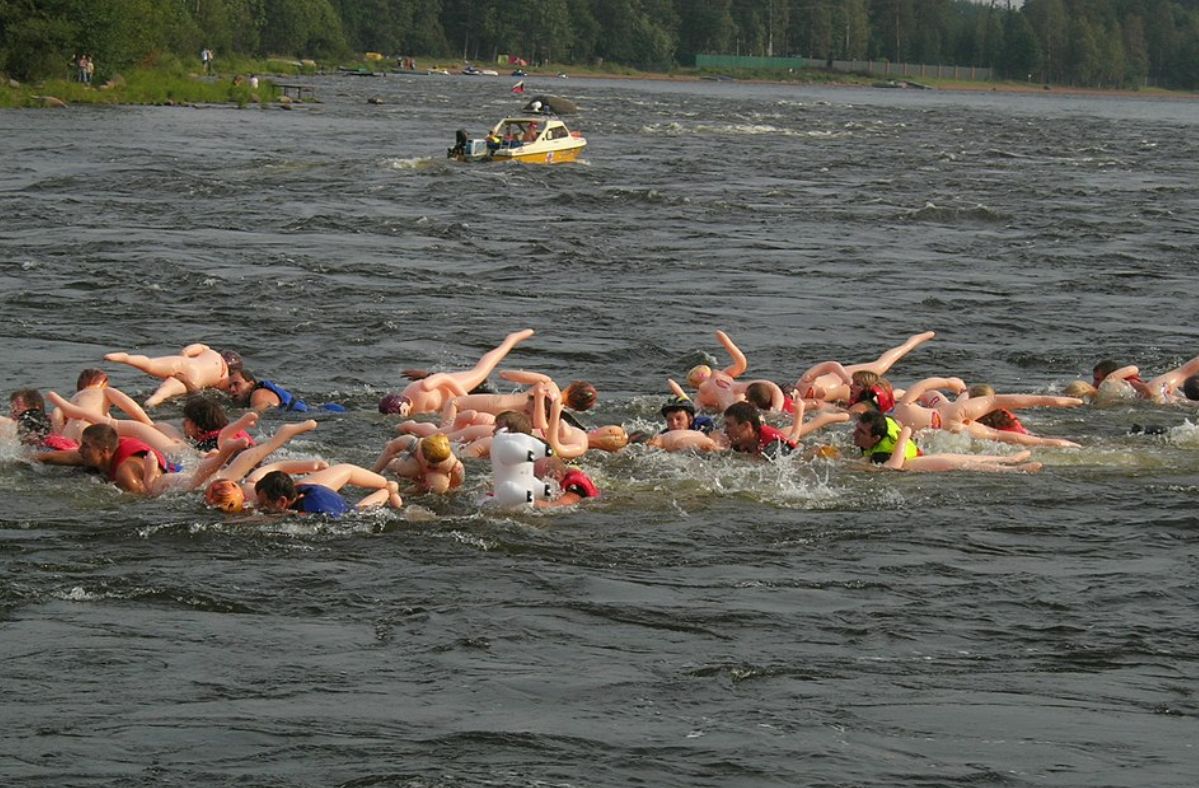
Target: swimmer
[
  {"x": 196, "y": 367},
  {"x": 94, "y": 397},
  {"x": 514, "y": 421},
  {"x": 119, "y": 459},
  {"x": 204, "y": 428},
  {"x": 936, "y": 463},
  {"x": 430, "y": 394},
  {"x": 430, "y": 462},
  {"x": 717, "y": 389},
  {"x": 575, "y": 485},
  {"x": 747, "y": 432},
  {"x": 27, "y": 414},
  {"x": 261, "y": 395},
  {"x": 1162, "y": 389},
  {"x": 579, "y": 395},
  {"x": 824, "y": 384},
  {"x": 318, "y": 493},
  {"x": 962, "y": 414}
]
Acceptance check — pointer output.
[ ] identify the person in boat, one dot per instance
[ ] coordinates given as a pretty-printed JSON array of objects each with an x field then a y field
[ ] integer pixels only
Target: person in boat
[
  {"x": 430, "y": 394},
  {"x": 429, "y": 461},
  {"x": 196, "y": 367},
  {"x": 319, "y": 493},
  {"x": 716, "y": 390},
  {"x": 830, "y": 381}
]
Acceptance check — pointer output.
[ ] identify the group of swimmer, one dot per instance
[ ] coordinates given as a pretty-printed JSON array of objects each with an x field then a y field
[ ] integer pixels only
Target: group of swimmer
[{"x": 531, "y": 436}]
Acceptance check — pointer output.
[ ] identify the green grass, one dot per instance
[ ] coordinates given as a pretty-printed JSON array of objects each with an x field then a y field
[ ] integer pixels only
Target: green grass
[{"x": 163, "y": 83}]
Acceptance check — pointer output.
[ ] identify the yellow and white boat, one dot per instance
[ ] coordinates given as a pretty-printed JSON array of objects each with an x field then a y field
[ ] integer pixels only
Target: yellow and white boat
[{"x": 532, "y": 138}]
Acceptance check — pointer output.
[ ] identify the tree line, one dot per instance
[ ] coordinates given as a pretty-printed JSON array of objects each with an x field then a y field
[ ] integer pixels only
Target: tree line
[{"x": 1103, "y": 43}]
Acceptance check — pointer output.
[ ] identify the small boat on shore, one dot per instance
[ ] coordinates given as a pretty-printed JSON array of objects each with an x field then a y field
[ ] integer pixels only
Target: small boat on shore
[{"x": 536, "y": 136}]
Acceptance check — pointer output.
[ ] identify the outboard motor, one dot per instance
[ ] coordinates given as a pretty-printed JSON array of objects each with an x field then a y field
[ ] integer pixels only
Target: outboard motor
[{"x": 460, "y": 140}]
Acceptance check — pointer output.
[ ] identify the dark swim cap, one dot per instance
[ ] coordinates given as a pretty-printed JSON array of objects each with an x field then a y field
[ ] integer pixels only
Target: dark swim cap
[
  {"x": 392, "y": 403},
  {"x": 678, "y": 403}
]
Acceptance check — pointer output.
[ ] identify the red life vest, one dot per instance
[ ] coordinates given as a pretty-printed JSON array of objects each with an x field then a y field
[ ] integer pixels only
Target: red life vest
[
  {"x": 132, "y": 447},
  {"x": 768, "y": 435}
]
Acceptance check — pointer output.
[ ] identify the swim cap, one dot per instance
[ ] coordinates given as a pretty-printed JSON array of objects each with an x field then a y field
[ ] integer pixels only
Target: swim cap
[
  {"x": 393, "y": 403},
  {"x": 678, "y": 403},
  {"x": 436, "y": 448},
  {"x": 226, "y": 495},
  {"x": 698, "y": 374}
]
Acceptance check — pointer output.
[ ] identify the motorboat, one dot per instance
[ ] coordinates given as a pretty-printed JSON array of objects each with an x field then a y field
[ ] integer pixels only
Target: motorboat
[{"x": 536, "y": 136}]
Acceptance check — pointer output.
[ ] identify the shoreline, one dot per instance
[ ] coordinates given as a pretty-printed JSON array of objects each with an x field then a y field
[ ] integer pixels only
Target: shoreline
[{"x": 857, "y": 81}]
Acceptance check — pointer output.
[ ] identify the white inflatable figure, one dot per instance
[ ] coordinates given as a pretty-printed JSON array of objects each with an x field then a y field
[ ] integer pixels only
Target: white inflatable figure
[{"x": 512, "y": 458}]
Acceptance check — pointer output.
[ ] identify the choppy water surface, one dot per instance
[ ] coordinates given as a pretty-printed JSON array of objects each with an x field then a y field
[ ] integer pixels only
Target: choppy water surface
[{"x": 708, "y": 622}]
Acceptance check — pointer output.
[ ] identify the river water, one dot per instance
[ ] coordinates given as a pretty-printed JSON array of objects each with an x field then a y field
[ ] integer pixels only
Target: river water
[{"x": 709, "y": 621}]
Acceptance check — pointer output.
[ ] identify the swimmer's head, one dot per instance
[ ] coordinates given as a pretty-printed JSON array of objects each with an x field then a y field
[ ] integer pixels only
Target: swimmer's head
[
  {"x": 395, "y": 404},
  {"x": 436, "y": 448},
  {"x": 698, "y": 374},
  {"x": 514, "y": 421},
  {"x": 1102, "y": 370},
  {"x": 761, "y": 394},
  {"x": 1080, "y": 389},
  {"x": 226, "y": 495},
  {"x": 580, "y": 395},
  {"x": 91, "y": 377},
  {"x": 1190, "y": 387},
  {"x": 676, "y": 404},
  {"x": 232, "y": 359},
  {"x": 610, "y": 438}
]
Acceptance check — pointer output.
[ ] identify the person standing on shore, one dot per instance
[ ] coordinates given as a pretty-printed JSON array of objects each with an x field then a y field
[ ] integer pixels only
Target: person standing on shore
[{"x": 206, "y": 58}]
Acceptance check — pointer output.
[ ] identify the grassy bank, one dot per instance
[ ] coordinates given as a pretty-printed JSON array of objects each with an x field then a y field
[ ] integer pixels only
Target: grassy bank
[{"x": 163, "y": 83}]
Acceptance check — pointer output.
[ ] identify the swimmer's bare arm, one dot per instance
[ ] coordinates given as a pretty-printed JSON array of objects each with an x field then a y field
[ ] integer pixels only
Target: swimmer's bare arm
[
  {"x": 899, "y": 453},
  {"x": 131, "y": 476},
  {"x": 525, "y": 377},
  {"x": 125, "y": 403},
  {"x": 62, "y": 457},
  {"x": 796, "y": 430},
  {"x": 739, "y": 364},
  {"x": 1131, "y": 371},
  {"x": 956, "y": 385}
]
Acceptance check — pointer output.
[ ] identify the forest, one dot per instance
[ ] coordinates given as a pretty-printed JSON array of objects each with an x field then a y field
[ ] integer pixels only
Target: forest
[{"x": 1088, "y": 43}]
